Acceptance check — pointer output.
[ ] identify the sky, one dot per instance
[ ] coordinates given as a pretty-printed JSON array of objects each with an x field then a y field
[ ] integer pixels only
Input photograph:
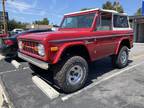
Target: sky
[{"x": 31, "y": 10}]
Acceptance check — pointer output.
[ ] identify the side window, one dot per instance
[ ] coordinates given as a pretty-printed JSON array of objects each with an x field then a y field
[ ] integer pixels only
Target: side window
[
  {"x": 104, "y": 22},
  {"x": 120, "y": 21}
]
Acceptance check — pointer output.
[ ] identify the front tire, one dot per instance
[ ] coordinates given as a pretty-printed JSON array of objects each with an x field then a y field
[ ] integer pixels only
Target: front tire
[
  {"x": 121, "y": 59},
  {"x": 71, "y": 74}
]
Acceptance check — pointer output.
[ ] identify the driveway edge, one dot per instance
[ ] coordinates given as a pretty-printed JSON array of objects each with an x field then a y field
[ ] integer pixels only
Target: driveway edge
[{"x": 6, "y": 99}]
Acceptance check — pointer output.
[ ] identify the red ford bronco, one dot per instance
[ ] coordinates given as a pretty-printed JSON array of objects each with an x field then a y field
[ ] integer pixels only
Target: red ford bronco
[{"x": 83, "y": 37}]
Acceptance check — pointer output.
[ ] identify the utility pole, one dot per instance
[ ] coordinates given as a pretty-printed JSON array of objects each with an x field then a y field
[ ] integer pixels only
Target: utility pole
[{"x": 4, "y": 17}]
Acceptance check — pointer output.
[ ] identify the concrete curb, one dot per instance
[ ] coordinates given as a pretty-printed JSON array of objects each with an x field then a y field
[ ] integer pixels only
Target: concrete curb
[
  {"x": 138, "y": 43},
  {"x": 2, "y": 57},
  {"x": 5, "y": 100},
  {"x": 15, "y": 64},
  {"x": 1, "y": 97},
  {"x": 45, "y": 87}
]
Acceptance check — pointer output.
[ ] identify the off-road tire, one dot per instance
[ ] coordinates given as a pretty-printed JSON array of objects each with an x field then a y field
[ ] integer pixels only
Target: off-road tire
[
  {"x": 61, "y": 72},
  {"x": 116, "y": 62}
]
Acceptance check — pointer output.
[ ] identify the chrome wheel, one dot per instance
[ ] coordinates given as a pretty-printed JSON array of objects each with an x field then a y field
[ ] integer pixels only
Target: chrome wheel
[
  {"x": 123, "y": 58},
  {"x": 75, "y": 74}
]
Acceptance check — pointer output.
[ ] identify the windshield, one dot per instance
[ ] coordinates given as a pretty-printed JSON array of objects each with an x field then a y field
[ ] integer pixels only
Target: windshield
[{"x": 81, "y": 21}]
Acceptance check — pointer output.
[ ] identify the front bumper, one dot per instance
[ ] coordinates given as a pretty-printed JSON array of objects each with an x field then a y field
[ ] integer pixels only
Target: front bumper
[{"x": 38, "y": 63}]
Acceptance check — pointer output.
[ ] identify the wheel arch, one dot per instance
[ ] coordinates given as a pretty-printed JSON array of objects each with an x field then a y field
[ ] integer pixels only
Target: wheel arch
[
  {"x": 73, "y": 48},
  {"x": 123, "y": 42}
]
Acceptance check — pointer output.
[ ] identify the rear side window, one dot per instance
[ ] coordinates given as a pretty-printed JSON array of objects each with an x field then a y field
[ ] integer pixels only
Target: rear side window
[
  {"x": 104, "y": 22},
  {"x": 120, "y": 21}
]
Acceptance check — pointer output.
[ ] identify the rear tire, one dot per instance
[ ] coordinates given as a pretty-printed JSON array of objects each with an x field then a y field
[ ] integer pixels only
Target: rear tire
[
  {"x": 121, "y": 59},
  {"x": 71, "y": 74}
]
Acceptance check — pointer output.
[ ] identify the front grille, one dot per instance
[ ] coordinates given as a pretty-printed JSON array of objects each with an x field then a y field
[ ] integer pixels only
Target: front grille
[{"x": 30, "y": 46}]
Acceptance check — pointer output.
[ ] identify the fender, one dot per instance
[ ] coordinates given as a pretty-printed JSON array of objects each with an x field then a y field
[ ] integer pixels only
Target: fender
[
  {"x": 119, "y": 43},
  {"x": 63, "y": 48}
]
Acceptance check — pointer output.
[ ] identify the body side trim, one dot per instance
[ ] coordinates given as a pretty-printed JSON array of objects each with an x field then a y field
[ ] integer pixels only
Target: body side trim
[{"x": 87, "y": 38}]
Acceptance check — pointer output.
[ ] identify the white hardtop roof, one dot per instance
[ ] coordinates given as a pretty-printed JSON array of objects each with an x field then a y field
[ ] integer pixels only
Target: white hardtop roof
[{"x": 96, "y": 9}]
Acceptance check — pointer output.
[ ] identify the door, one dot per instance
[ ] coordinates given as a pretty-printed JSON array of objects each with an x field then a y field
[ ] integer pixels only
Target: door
[{"x": 105, "y": 43}]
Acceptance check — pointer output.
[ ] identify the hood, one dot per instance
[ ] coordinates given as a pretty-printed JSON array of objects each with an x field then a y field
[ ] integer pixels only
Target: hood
[{"x": 52, "y": 35}]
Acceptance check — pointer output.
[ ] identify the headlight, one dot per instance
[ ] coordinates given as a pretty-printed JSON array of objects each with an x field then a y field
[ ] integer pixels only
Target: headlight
[
  {"x": 41, "y": 49},
  {"x": 20, "y": 45}
]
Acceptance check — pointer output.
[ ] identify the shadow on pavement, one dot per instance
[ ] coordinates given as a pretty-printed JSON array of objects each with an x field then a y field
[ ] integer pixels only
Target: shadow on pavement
[
  {"x": 96, "y": 69},
  {"x": 9, "y": 59}
]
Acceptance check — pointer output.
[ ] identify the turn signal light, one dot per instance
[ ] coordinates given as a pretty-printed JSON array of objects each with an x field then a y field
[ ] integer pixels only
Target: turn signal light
[{"x": 54, "y": 49}]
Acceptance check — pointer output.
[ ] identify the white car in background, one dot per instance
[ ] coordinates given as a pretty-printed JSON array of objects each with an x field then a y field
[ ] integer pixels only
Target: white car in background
[{"x": 17, "y": 31}]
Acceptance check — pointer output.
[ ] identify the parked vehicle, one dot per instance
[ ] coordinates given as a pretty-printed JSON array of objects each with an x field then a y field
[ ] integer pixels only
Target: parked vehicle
[
  {"x": 9, "y": 46},
  {"x": 17, "y": 31},
  {"x": 3, "y": 35},
  {"x": 83, "y": 37}
]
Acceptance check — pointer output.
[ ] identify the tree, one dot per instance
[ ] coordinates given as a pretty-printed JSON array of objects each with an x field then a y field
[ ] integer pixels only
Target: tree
[
  {"x": 83, "y": 9},
  {"x": 107, "y": 5},
  {"x": 113, "y": 6},
  {"x": 118, "y": 7},
  {"x": 139, "y": 11},
  {"x": 44, "y": 21},
  {"x": 12, "y": 24}
]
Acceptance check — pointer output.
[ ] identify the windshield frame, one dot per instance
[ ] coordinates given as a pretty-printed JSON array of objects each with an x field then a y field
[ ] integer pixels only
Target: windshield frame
[{"x": 80, "y": 14}]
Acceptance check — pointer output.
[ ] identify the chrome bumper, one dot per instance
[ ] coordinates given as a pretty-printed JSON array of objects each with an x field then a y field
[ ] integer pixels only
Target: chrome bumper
[{"x": 34, "y": 61}]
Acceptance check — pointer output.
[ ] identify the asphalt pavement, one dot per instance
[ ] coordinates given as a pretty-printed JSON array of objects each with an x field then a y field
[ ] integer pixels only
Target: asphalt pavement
[{"x": 106, "y": 87}]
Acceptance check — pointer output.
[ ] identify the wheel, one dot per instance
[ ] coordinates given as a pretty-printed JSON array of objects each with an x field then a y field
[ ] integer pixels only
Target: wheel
[
  {"x": 121, "y": 59},
  {"x": 71, "y": 74},
  {"x": 35, "y": 68}
]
